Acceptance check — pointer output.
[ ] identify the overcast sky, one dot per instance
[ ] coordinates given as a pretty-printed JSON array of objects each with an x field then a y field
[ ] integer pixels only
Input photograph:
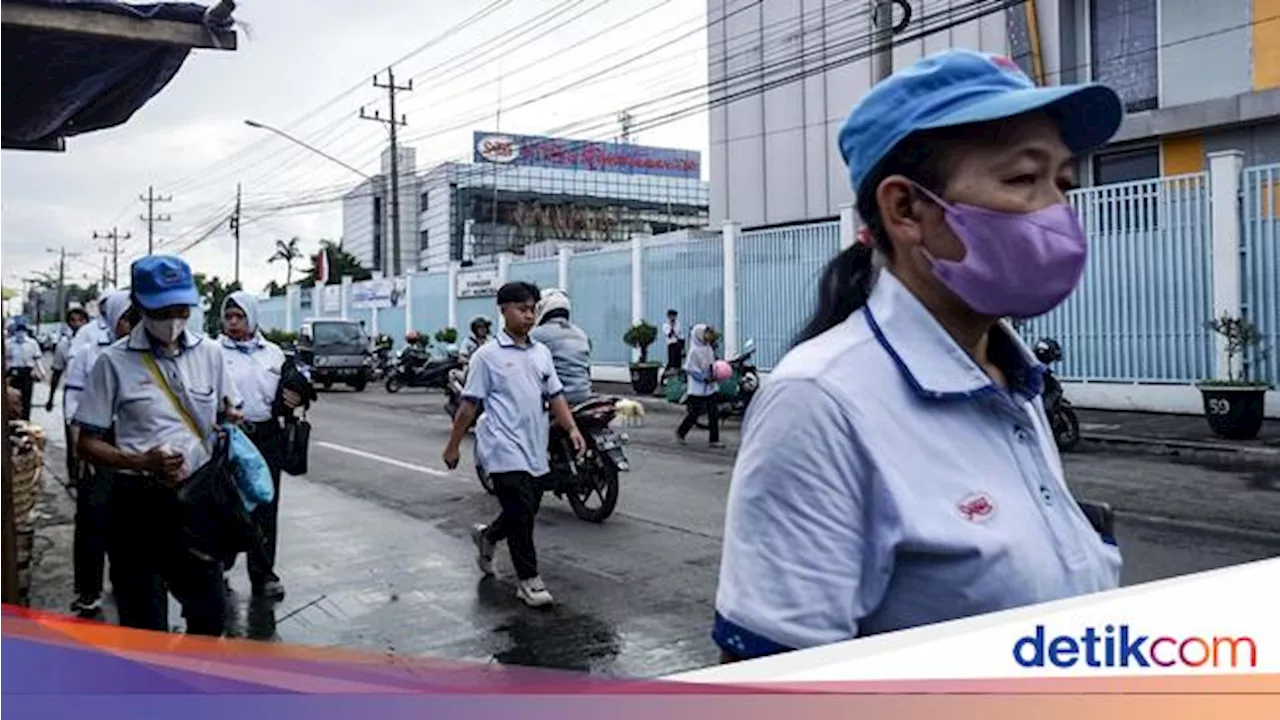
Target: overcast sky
[{"x": 299, "y": 56}]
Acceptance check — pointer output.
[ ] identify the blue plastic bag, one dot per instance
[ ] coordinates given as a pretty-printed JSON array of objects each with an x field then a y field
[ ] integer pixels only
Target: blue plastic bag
[{"x": 253, "y": 476}]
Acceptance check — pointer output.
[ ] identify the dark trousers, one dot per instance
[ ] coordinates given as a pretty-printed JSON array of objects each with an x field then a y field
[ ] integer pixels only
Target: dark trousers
[
  {"x": 262, "y": 560},
  {"x": 93, "y": 498},
  {"x": 520, "y": 495},
  {"x": 701, "y": 406},
  {"x": 675, "y": 355},
  {"x": 149, "y": 561},
  {"x": 20, "y": 379}
]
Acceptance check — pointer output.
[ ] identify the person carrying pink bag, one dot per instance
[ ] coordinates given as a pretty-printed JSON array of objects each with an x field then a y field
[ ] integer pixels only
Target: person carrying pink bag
[{"x": 702, "y": 386}]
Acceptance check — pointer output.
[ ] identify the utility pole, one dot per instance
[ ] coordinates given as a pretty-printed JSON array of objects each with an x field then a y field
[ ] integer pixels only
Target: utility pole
[
  {"x": 115, "y": 237},
  {"x": 392, "y": 121},
  {"x": 235, "y": 228},
  {"x": 882, "y": 38},
  {"x": 626, "y": 120},
  {"x": 151, "y": 218},
  {"x": 62, "y": 281}
]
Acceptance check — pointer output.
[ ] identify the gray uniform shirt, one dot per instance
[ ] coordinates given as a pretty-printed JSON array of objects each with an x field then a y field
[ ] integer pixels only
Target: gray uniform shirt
[{"x": 571, "y": 353}]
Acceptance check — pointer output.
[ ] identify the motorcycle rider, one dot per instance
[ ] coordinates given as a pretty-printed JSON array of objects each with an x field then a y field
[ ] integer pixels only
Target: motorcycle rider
[
  {"x": 481, "y": 332},
  {"x": 415, "y": 354},
  {"x": 569, "y": 345}
]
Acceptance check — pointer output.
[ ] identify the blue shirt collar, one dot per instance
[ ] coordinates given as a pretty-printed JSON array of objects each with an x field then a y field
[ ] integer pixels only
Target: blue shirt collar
[
  {"x": 932, "y": 363},
  {"x": 505, "y": 340}
]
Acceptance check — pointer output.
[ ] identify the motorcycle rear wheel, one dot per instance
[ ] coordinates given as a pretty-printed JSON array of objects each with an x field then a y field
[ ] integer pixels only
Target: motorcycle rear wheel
[
  {"x": 606, "y": 488},
  {"x": 1066, "y": 428},
  {"x": 394, "y": 384}
]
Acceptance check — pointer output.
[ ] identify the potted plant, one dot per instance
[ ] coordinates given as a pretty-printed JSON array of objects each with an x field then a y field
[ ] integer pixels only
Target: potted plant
[
  {"x": 1235, "y": 407},
  {"x": 644, "y": 374}
]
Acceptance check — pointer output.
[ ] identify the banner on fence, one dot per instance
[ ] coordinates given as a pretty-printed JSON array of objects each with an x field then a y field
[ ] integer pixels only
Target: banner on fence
[
  {"x": 478, "y": 283},
  {"x": 381, "y": 293},
  {"x": 332, "y": 298}
]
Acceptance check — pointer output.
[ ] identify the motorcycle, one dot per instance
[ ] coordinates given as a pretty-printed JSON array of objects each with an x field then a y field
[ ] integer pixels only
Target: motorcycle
[
  {"x": 1062, "y": 417},
  {"x": 383, "y": 361},
  {"x": 424, "y": 372},
  {"x": 734, "y": 394},
  {"x": 595, "y": 474}
]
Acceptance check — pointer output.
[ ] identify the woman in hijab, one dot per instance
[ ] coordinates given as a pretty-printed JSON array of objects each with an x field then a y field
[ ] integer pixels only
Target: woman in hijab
[{"x": 702, "y": 388}]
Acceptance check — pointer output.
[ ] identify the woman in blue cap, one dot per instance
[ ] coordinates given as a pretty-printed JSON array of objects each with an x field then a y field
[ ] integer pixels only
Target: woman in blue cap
[
  {"x": 160, "y": 392},
  {"x": 897, "y": 469}
]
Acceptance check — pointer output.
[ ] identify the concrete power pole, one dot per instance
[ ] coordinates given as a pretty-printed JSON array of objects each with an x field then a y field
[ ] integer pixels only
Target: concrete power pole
[
  {"x": 115, "y": 237},
  {"x": 62, "y": 281},
  {"x": 393, "y": 122},
  {"x": 235, "y": 229},
  {"x": 151, "y": 218},
  {"x": 882, "y": 39}
]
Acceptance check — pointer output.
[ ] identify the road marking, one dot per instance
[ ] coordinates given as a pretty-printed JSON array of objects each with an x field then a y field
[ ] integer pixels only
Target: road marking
[{"x": 390, "y": 461}]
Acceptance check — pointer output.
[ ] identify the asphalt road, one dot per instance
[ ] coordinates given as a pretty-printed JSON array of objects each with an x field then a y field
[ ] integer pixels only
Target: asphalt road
[
  {"x": 1177, "y": 516},
  {"x": 375, "y": 550}
]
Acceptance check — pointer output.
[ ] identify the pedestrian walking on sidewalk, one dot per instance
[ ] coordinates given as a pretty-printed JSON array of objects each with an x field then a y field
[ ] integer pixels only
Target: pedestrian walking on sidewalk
[
  {"x": 77, "y": 320},
  {"x": 514, "y": 377},
  {"x": 164, "y": 389},
  {"x": 255, "y": 364},
  {"x": 93, "y": 484},
  {"x": 898, "y": 470},
  {"x": 23, "y": 356},
  {"x": 701, "y": 386},
  {"x": 675, "y": 342}
]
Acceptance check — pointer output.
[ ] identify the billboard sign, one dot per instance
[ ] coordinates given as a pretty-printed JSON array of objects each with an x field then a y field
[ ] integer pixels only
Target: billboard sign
[
  {"x": 562, "y": 154},
  {"x": 379, "y": 293},
  {"x": 478, "y": 283}
]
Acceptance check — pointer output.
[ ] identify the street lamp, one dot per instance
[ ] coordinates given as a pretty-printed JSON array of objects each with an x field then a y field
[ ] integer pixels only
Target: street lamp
[{"x": 292, "y": 139}]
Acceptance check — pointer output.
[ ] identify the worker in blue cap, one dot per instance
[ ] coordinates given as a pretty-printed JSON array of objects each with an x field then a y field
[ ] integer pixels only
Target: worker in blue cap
[
  {"x": 161, "y": 393},
  {"x": 23, "y": 358},
  {"x": 898, "y": 470}
]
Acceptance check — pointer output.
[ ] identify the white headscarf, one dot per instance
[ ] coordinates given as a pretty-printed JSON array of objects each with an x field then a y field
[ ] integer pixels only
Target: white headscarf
[
  {"x": 113, "y": 306},
  {"x": 247, "y": 303},
  {"x": 701, "y": 355}
]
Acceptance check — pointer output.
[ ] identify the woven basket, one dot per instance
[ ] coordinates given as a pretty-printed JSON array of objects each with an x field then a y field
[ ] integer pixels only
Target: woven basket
[{"x": 28, "y": 471}]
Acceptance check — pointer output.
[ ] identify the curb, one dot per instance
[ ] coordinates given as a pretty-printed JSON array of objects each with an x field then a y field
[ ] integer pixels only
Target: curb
[
  {"x": 1261, "y": 537},
  {"x": 1256, "y": 452}
]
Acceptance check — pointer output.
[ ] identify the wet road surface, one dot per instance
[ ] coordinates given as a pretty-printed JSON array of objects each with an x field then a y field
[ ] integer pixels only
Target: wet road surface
[{"x": 374, "y": 546}]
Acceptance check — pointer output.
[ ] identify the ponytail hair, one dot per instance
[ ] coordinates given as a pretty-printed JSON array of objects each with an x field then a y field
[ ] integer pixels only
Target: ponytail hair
[
  {"x": 846, "y": 282},
  {"x": 843, "y": 289}
]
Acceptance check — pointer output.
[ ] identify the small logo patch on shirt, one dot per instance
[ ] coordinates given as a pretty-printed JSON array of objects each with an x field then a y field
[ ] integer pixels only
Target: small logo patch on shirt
[{"x": 977, "y": 507}]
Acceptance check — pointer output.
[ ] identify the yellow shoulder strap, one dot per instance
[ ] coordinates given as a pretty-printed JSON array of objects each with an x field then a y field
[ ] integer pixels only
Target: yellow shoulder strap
[{"x": 181, "y": 409}]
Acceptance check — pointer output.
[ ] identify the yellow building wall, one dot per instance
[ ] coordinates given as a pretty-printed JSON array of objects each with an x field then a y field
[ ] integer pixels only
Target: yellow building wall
[
  {"x": 1182, "y": 154},
  {"x": 1266, "y": 44}
]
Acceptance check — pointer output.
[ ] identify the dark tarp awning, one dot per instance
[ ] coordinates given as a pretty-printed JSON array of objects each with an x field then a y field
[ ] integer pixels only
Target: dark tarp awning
[{"x": 76, "y": 66}]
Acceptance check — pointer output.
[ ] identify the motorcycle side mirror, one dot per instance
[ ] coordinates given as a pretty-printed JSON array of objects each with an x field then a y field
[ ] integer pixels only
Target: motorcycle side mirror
[{"x": 749, "y": 345}]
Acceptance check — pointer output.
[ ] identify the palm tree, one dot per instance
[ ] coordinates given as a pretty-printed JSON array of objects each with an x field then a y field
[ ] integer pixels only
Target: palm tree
[{"x": 288, "y": 252}]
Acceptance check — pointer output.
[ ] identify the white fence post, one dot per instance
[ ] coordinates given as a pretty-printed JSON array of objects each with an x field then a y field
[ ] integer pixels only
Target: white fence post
[
  {"x": 637, "y": 285},
  {"x": 453, "y": 294},
  {"x": 504, "y": 273},
  {"x": 290, "y": 294},
  {"x": 562, "y": 268},
  {"x": 344, "y": 301},
  {"x": 729, "y": 235},
  {"x": 848, "y": 226},
  {"x": 408, "y": 301},
  {"x": 1224, "y": 196}
]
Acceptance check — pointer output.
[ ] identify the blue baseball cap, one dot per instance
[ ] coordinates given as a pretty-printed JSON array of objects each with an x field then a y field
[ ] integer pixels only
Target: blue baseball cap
[
  {"x": 960, "y": 87},
  {"x": 161, "y": 281}
]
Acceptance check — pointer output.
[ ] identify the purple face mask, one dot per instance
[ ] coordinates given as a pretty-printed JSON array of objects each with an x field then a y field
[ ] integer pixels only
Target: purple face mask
[{"x": 1015, "y": 265}]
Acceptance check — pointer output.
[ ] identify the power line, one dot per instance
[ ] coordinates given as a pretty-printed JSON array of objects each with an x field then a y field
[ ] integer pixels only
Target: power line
[{"x": 151, "y": 218}]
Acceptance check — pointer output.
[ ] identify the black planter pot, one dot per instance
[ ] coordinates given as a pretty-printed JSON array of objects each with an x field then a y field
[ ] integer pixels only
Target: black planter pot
[
  {"x": 644, "y": 378},
  {"x": 1234, "y": 412}
]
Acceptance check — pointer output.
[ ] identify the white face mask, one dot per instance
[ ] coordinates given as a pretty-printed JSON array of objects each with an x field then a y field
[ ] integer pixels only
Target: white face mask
[{"x": 166, "y": 331}]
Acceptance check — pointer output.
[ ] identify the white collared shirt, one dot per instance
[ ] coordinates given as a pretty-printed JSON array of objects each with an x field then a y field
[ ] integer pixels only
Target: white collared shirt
[
  {"x": 255, "y": 370},
  {"x": 25, "y": 353},
  {"x": 122, "y": 391},
  {"x": 513, "y": 382},
  {"x": 884, "y": 482},
  {"x": 84, "y": 355}
]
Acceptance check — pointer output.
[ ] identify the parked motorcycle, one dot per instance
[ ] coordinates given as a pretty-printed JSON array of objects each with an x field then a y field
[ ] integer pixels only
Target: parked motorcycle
[
  {"x": 1062, "y": 417},
  {"x": 413, "y": 370},
  {"x": 595, "y": 475},
  {"x": 383, "y": 361}
]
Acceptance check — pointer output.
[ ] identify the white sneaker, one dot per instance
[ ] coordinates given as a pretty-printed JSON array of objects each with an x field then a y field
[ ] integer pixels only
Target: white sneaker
[
  {"x": 484, "y": 549},
  {"x": 533, "y": 592}
]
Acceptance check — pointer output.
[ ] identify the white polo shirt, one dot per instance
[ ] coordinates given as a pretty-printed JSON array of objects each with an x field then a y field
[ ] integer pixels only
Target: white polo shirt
[
  {"x": 512, "y": 382},
  {"x": 23, "y": 354},
  {"x": 885, "y": 482},
  {"x": 122, "y": 391},
  {"x": 255, "y": 370},
  {"x": 84, "y": 355}
]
